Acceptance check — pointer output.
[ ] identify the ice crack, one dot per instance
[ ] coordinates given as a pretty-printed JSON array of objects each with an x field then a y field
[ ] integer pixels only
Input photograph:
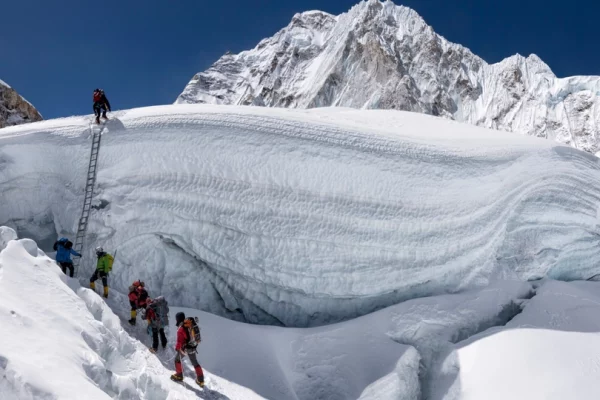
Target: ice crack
[{"x": 434, "y": 330}]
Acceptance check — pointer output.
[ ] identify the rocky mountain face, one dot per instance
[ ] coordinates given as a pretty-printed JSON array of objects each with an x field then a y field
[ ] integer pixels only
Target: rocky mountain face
[
  {"x": 379, "y": 55},
  {"x": 14, "y": 109}
]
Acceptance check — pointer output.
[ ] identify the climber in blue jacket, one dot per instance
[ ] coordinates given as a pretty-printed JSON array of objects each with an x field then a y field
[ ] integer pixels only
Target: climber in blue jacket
[{"x": 64, "y": 249}]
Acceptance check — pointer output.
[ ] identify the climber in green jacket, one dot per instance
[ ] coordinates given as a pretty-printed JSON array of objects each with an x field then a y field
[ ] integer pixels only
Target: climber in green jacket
[{"x": 103, "y": 267}]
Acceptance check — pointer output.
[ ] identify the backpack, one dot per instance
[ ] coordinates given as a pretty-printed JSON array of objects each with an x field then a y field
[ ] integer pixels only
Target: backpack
[
  {"x": 160, "y": 306},
  {"x": 193, "y": 332},
  {"x": 110, "y": 261},
  {"x": 98, "y": 96},
  {"x": 64, "y": 242}
]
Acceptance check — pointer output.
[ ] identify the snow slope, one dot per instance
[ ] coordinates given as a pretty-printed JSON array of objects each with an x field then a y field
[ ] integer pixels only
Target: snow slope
[
  {"x": 551, "y": 351},
  {"x": 60, "y": 341},
  {"x": 389, "y": 354},
  {"x": 379, "y": 55},
  {"x": 510, "y": 340},
  {"x": 374, "y": 355},
  {"x": 305, "y": 217}
]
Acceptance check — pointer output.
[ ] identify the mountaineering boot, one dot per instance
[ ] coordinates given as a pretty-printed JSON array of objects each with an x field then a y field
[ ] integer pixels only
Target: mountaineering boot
[
  {"x": 104, "y": 116},
  {"x": 152, "y": 350},
  {"x": 199, "y": 376},
  {"x": 93, "y": 286},
  {"x": 177, "y": 377},
  {"x": 98, "y": 119},
  {"x": 106, "y": 292},
  {"x": 133, "y": 317}
]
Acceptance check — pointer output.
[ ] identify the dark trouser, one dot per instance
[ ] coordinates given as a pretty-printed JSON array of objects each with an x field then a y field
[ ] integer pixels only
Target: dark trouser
[
  {"x": 133, "y": 305},
  {"x": 100, "y": 274},
  {"x": 194, "y": 360},
  {"x": 98, "y": 107},
  {"x": 163, "y": 338},
  {"x": 67, "y": 265}
]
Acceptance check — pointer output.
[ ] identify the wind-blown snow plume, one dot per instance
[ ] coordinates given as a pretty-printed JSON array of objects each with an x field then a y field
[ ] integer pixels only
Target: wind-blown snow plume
[
  {"x": 379, "y": 55},
  {"x": 305, "y": 217}
]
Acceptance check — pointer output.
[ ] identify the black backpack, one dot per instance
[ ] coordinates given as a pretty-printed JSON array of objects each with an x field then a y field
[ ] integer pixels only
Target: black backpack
[{"x": 67, "y": 245}]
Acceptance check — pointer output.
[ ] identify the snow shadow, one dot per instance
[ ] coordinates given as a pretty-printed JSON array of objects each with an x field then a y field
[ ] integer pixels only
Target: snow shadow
[
  {"x": 114, "y": 125},
  {"x": 548, "y": 350}
]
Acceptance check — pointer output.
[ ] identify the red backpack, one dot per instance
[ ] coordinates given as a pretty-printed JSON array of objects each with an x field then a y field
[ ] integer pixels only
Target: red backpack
[{"x": 97, "y": 96}]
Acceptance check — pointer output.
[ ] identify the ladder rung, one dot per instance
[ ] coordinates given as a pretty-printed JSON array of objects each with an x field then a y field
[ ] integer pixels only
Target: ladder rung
[{"x": 88, "y": 193}]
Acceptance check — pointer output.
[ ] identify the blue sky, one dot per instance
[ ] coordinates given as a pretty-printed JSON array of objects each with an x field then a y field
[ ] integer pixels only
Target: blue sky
[{"x": 144, "y": 52}]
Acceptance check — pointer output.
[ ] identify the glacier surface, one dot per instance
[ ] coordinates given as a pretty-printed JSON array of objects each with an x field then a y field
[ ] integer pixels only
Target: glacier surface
[
  {"x": 483, "y": 343},
  {"x": 305, "y": 217}
]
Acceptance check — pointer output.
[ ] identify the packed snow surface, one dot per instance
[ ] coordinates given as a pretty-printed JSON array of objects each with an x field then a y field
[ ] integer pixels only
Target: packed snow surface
[
  {"x": 61, "y": 341},
  {"x": 305, "y": 217},
  {"x": 377, "y": 356},
  {"x": 551, "y": 351}
]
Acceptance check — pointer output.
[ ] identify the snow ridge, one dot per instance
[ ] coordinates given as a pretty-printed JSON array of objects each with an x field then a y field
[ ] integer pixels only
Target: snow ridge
[
  {"x": 383, "y": 56},
  {"x": 62, "y": 343}
]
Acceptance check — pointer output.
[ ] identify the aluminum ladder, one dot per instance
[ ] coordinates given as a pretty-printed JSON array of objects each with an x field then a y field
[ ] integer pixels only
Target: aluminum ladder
[{"x": 89, "y": 193}]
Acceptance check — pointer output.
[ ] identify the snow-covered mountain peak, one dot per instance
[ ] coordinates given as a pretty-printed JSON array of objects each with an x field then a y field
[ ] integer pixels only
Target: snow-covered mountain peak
[
  {"x": 312, "y": 19},
  {"x": 380, "y": 19},
  {"x": 382, "y": 55},
  {"x": 538, "y": 65},
  {"x": 306, "y": 29},
  {"x": 532, "y": 67}
]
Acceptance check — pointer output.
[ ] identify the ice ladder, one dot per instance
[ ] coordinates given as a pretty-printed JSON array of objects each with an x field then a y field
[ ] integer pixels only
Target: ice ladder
[{"x": 89, "y": 193}]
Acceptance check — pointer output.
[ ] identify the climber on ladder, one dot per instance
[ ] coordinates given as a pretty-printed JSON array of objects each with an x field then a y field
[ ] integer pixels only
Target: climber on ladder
[{"x": 100, "y": 104}]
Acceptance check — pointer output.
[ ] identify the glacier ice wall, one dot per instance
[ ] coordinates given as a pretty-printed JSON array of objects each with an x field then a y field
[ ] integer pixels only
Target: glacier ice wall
[{"x": 306, "y": 217}]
